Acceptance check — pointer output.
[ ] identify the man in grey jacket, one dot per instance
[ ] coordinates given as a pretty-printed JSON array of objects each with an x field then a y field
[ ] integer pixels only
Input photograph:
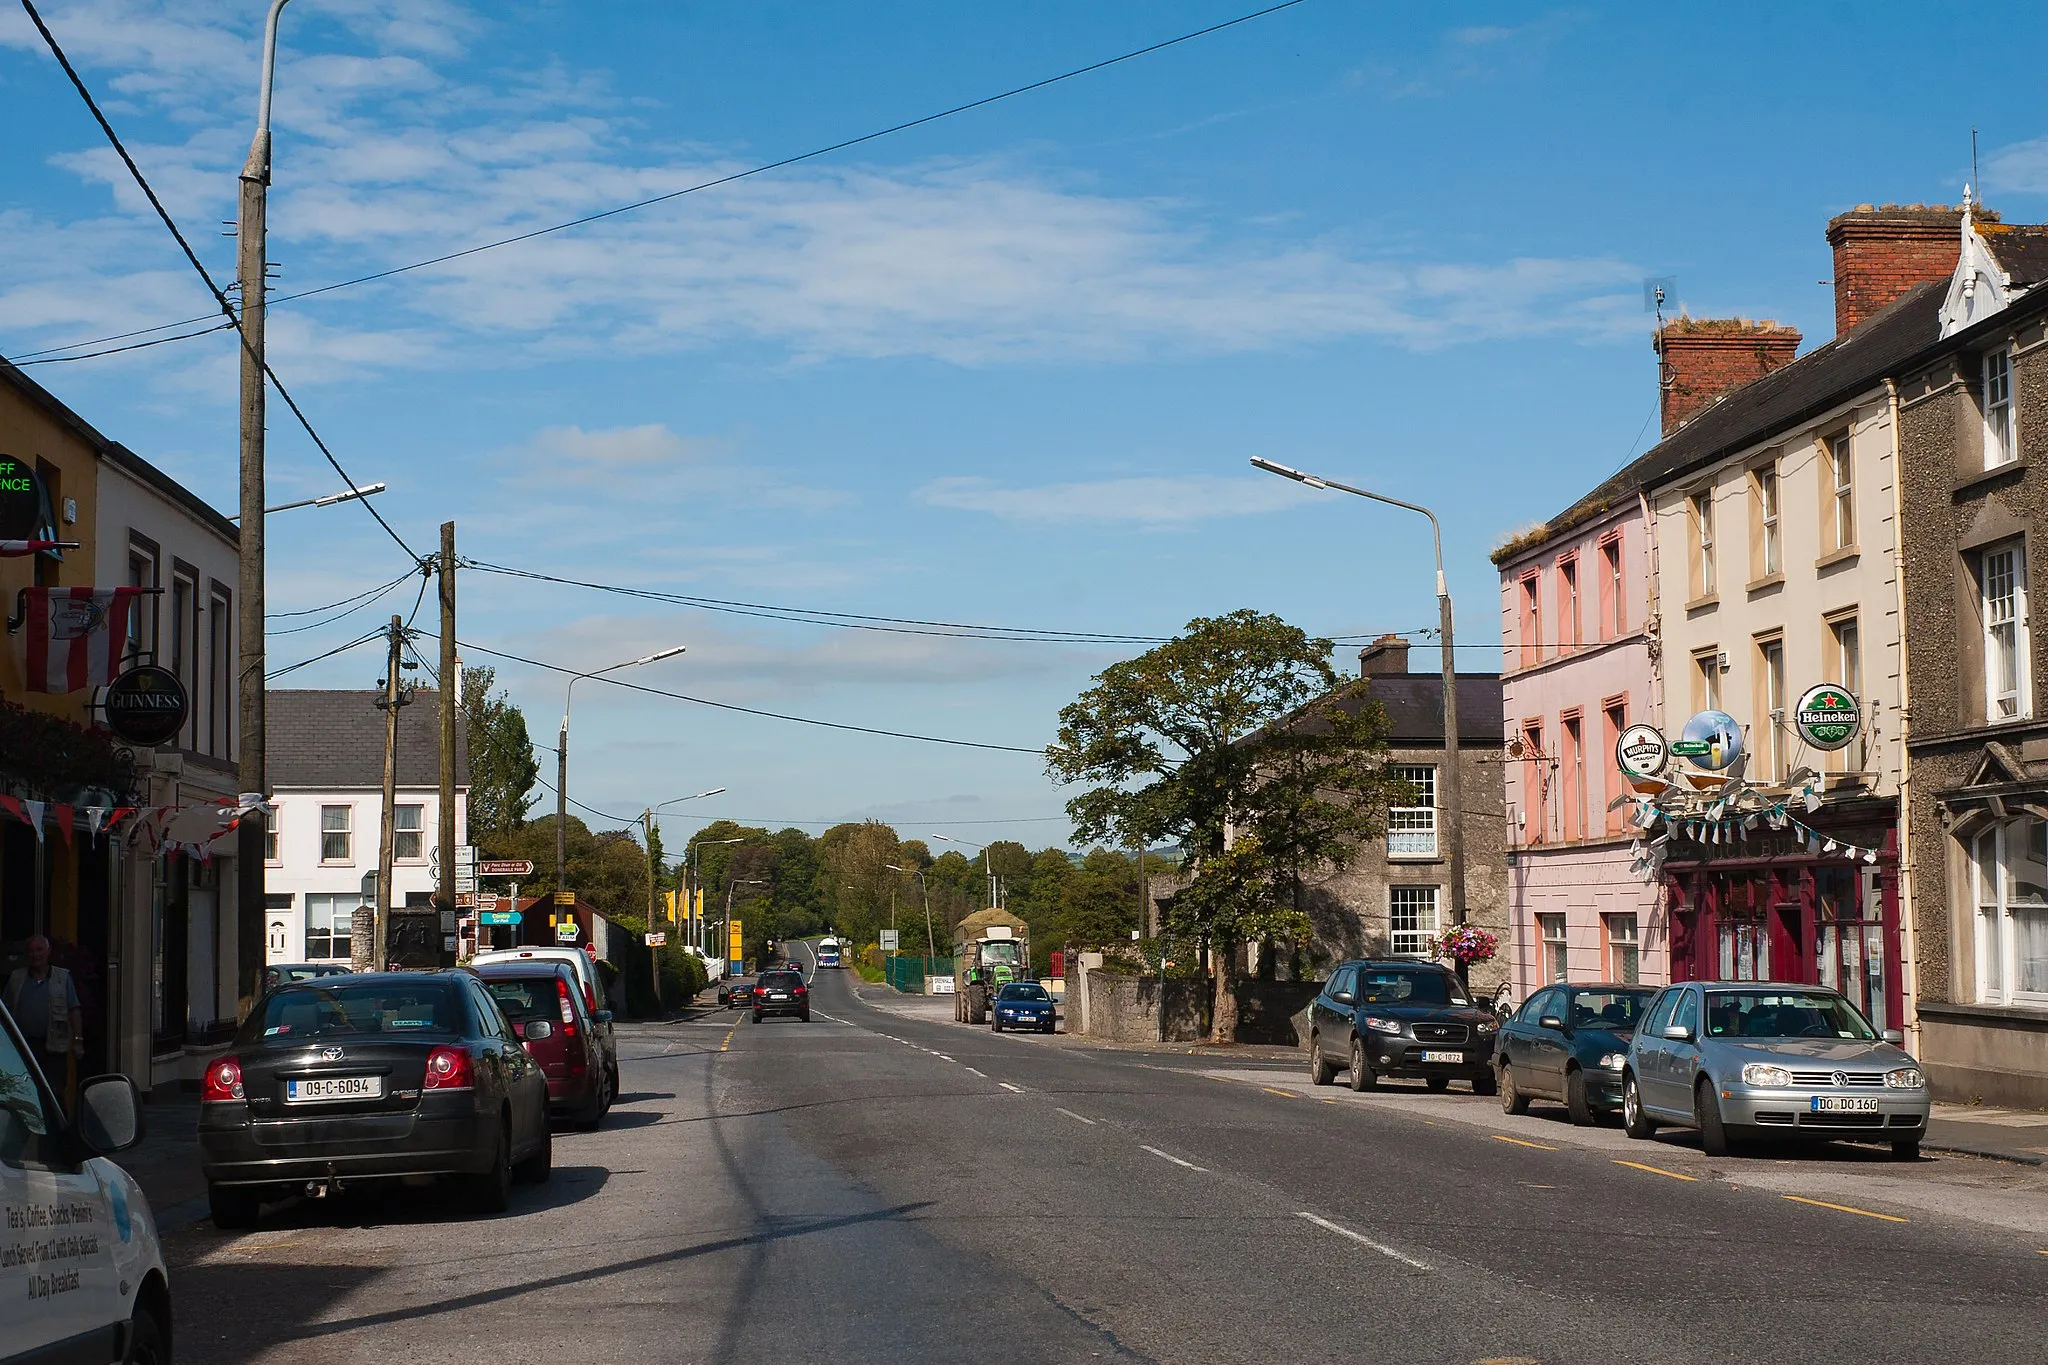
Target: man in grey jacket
[{"x": 44, "y": 1002}]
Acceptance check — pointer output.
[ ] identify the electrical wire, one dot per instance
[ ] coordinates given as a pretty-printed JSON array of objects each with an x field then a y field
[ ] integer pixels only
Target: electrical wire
[
  {"x": 338, "y": 616},
  {"x": 365, "y": 593},
  {"x": 226, "y": 308},
  {"x": 49, "y": 359},
  {"x": 338, "y": 649},
  {"x": 762, "y": 169}
]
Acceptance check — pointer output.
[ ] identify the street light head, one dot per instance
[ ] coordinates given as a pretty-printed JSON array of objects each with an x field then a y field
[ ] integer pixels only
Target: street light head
[
  {"x": 1274, "y": 467},
  {"x": 715, "y": 791},
  {"x": 659, "y": 655},
  {"x": 349, "y": 495}
]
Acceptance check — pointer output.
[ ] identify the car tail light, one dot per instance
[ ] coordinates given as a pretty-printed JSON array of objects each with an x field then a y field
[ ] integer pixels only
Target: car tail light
[
  {"x": 448, "y": 1068},
  {"x": 797, "y": 990},
  {"x": 568, "y": 1009},
  {"x": 589, "y": 998},
  {"x": 223, "y": 1081}
]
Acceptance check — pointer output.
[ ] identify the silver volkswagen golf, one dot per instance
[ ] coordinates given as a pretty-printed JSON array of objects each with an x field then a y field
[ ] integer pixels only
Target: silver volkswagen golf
[{"x": 1741, "y": 1059}]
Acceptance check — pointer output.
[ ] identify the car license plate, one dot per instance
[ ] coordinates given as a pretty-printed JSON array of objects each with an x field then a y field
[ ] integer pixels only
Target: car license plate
[
  {"x": 334, "y": 1088},
  {"x": 1452, "y": 1057},
  {"x": 1844, "y": 1104},
  {"x": 777, "y": 995}
]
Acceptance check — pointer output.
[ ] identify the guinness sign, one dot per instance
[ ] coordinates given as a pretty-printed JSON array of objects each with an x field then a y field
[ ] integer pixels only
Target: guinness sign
[{"x": 146, "y": 705}]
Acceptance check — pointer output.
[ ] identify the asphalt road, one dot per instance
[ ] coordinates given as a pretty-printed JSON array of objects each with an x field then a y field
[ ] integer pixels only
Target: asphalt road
[{"x": 880, "y": 1185}]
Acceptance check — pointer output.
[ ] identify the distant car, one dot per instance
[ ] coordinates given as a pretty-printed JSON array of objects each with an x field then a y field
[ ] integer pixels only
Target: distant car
[
  {"x": 1400, "y": 1018},
  {"x": 782, "y": 993},
  {"x": 353, "y": 1079},
  {"x": 585, "y": 968},
  {"x": 280, "y": 973},
  {"x": 1022, "y": 1004},
  {"x": 545, "y": 1009},
  {"x": 1568, "y": 1043},
  {"x": 1742, "y": 1059},
  {"x": 736, "y": 994}
]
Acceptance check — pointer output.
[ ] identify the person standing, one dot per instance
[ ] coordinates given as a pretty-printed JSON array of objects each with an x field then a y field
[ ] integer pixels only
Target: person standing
[{"x": 44, "y": 1002}]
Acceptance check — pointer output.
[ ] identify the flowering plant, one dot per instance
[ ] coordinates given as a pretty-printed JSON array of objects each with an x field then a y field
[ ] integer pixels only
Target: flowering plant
[{"x": 1465, "y": 944}]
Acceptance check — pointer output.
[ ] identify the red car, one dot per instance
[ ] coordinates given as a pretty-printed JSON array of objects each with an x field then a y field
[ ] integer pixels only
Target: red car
[{"x": 545, "y": 1007}]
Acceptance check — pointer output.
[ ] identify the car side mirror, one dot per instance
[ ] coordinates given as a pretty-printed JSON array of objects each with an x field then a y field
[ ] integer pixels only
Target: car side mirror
[
  {"x": 1895, "y": 1037},
  {"x": 109, "y": 1114},
  {"x": 1551, "y": 1021},
  {"x": 1679, "y": 1033},
  {"x": 537, "y": 1029},
  {"x": 1344, "y": 997},
  {"x": 603, "y": 1016}
]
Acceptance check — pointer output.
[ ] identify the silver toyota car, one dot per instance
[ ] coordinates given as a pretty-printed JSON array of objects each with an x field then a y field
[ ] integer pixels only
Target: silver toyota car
[{"x": 1742, "y": 1059}]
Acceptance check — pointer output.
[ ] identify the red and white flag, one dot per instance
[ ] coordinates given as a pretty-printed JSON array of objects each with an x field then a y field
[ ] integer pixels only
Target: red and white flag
[
  {"x": 76, "y": 636},
  {"x": 17, "y": 548}
]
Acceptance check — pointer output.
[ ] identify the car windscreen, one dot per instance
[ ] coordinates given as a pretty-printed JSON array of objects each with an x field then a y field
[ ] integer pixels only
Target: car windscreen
[
  {"x": 1397, "y": 986},
  {"x": 354, "y": 1008},
  {"x": 1022, "y": 991},
  {"x": 782, "y": 981},
  {"x": 525, "y": 997},
  {"x": 1784, "y": 1014},
  {"x": 1608, "y": 1009}
]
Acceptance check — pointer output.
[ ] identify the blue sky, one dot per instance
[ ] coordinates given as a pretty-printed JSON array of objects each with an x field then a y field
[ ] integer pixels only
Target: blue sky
[{"x": 1005, "y": 368}]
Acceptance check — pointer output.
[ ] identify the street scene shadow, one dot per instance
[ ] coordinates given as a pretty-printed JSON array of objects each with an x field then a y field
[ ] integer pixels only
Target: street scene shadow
[
  {"x": 398, "y": 1205},
  {"x": 638, "y": 1096}
]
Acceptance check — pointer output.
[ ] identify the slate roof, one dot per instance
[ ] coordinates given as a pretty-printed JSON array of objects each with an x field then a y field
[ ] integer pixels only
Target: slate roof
[
  {"x": 2021, "y": 250},
  {"x": 1415, "y": 709},
  {"x": 324, "y": 739},
  {"x": 1821, "y": 379}
]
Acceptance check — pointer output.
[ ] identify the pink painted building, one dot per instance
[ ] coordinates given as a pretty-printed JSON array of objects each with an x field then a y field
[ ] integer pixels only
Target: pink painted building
[{"x": 1577, "y": 601}]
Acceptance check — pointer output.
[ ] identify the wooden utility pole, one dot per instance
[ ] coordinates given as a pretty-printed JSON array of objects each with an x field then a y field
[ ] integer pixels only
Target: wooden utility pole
[
  {"x": 451, "y": 698},
  {"x": 653, "y": 877},
  {"x": 388, "y": 823}
]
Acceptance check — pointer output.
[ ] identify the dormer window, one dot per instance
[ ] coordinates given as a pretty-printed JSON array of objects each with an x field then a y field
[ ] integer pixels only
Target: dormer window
[{"x": 2001, "y": 436}]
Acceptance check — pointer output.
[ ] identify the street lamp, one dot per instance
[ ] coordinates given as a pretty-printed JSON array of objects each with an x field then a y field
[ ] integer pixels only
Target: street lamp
[
  {"x": 691, "y": 852},
  {"x": 986, "y": 866},
  {"x": 325, "y": 500},
  {"x": 648, "y": 825},
  {"x": 931, "y": 947},
  {"x": 562, "y": 758},
  {"x": 1454, "y": 822}
]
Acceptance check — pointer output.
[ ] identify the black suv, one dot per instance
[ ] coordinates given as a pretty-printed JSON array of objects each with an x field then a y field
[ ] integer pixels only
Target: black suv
[
  {"x": 782, "y": 992},
  {"x": 1400, "y": 1018}
]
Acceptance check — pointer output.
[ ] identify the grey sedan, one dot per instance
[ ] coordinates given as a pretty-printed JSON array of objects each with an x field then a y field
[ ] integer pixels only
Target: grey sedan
[{"x": 1742, "y": 1059}]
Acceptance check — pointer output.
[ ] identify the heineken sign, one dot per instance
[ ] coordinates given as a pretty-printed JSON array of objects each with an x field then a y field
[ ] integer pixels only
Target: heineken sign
[
  {"x": 146, "y": 705},
  {"x": 1828, "y": 716}
]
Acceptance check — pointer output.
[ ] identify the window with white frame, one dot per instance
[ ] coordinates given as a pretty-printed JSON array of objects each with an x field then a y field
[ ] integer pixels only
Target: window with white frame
[
  {"x": 1706, "y": 680},
  {"x": 2012, "y": 913},
  {"x": 271, "y": 854},
  {"x": 2002, "y": 582},
  {"x": 1771, "y": 720},
  {"x": 337, "y": 834},
  {"x": 1704, "y": 582},
  {"x": 328, "y": 923},
  {"x": 1770, "y": 545},
  {"x": 1624, "y": 949},
  {"x": 1411, "y": 829},
  {"x": 1841, "y": 493},
  {"x": 1411, "y": 915},
  {"x": 1613, "y": 610},
  {"x": 1550, "y": 930},
  {"x": 2001, "y": 437},
  {"x": 408, "y": 839}
]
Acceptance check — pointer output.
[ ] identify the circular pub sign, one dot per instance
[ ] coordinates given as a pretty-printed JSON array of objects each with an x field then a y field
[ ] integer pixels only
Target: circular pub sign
[
  {"x": 146, "y": 705},
  {"x": 1828, "y": 716},
  {"x": 21, "y": 499},
  {"x": 1711, "y": 739},
  {"x": 1643, "y": 752}
]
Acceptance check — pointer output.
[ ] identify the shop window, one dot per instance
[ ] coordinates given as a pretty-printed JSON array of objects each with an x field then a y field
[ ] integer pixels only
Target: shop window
[
  {"x": 408, "y": 839},
  {"x": 1624, "y": 949},
  {"x": 1553, "y": 950},
  {"x": 1411, "y": 829},
  {"x": 2012, "y": 914},
  {"x": 1411, "y": 916}
]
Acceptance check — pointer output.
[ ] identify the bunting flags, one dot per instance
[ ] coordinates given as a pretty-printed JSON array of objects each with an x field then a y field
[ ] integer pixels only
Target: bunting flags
[
  {"x": 1716, "y": 824},
  {"x": 191, "y": 828}
]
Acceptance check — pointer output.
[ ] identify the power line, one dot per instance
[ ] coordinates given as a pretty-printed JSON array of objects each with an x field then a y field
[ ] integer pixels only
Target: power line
[
  {"x": 702, "y": 185},
  {"x": 372, "y": 600},
  {"x": 226, "y": 308},
  {"x": 370, "y": 593},
  {"x": 49, "y": 359},
  {"x": 376, "y": 634}
]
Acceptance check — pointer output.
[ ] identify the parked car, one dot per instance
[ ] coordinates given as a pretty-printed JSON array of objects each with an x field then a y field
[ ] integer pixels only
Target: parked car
[
  {"x": 105, "y": 1293},
  {"x": 279, "y": 973},
  {"x": 1022, "y": 1004},
  {"x": 594, "y": 999},
  {"x": 1742, "y": 1059},
  {"x": 1400, "y": 1018},
  {"x": 736, "y": 994},
  {"x": 545, "y": 1008},
  {"x": 353, "y": 1079},
  {"x": 1568, "y": 1043},
  {"x": 781, "y": 992}
]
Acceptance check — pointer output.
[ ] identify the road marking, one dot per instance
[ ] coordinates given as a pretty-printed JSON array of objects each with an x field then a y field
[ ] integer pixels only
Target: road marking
[
  {"x": 1169, "y": 1156},
  {"x": 1501, "y": 1137},
  {"x": 972, "y": 1072},
  {"x": 1014, "y": 1089},
  {"x": 1843, "y": 1208},
  {"x": 1329, "y": 1101},
  {"x": 728, "y": 1036},
  {"x": 1078, "y": 1118},
  {"x": 1658, "y": 1170},
  {"x": 1365, "y": 1241},
  {"x": 1289, "y": 1094},
  {"x": 942, "y": 1056}
]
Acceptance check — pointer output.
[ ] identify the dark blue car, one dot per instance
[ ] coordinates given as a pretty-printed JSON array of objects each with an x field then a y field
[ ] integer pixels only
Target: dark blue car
[
  {"x": 1568, "y": 1042},
  {"x": 1022, "y": 1004}
]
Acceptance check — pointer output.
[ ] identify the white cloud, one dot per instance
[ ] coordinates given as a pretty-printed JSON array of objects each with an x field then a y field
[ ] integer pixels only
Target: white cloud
[
  {"x": 2020, "y": 168},
  {"x": 1151, "y": 501}
]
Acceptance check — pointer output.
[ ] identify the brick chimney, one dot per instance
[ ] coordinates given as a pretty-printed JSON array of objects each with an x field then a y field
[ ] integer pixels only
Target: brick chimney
[
  {"x": 1704, "y": 358},
  {"x": 1384, "y": 657},
  {"x": 1880, "y": 253}
]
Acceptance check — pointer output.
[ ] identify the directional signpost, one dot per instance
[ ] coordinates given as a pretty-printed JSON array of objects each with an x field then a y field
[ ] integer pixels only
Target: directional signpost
[
  {"x": 505, "y": 867},
  {"x": 499, "y": 917}
]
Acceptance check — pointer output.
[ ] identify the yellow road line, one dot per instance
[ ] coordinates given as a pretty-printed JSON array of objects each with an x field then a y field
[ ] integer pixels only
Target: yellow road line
[
  {"x": 1843, "y": 1208},
  {"x": 1271, "y": 1091},
  {"x": 728, "y": 1036},
  {"x": 1497, "y": 1137},
  {"x": 1658, "y": 1170}
]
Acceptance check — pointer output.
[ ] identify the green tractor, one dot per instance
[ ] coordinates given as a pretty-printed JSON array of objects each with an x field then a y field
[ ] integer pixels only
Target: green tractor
[{"x": 991, "y": 948}]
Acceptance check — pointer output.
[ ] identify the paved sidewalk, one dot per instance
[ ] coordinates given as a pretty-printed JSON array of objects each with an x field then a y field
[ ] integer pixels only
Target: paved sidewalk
[
  {"x": 166, "y": 1164},
  {"x": 1974, "y": 1130}
]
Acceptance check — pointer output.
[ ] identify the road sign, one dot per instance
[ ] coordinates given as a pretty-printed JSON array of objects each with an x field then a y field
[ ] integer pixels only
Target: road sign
[
  {"x": 565, "y": 898},
  {"x": 505, "y": 867},
  {"x": 656, "y": 940},
  {"x": 499, "y": 917},
  {"x": 465, "y": 884},
  {"x": 465, "y": 900},
  {"x": 568, "y": 931},
  {"x": 888, "y": 940},
  {"x": 465, "y": 855}
]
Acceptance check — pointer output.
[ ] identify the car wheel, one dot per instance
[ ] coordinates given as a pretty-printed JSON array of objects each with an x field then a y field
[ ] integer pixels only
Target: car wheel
[
  {"x": 995, "y": 1026},
  {"x": 1321, "y": 1070},
  {"x": 536, "y": 1169},
  {"x": 1576, "y": 1102},
  {"x": 491, "y": 1192},
  {"x": 592, "y": 1117},
  {"x": 1437, "y": 1083},
  {"x": 804, "y": 1018},
  {"x": 1634, "y": 1121},
  {"x": 757, "y": 1016},
  {"x": 233, "y": 1207},
  {"x": 611, "y": 1085},
  {"x": 1706, "y": 1112},
  {"x": 146, "y": 1343},
  {"x": 1052, "y": 1028},
  {"x": 1362, "y": 1077},
  {"x": 1512, "y": 1101},
  {"x": 1485, "y": 1083},
  {"x": 1906, "y": 1149}
]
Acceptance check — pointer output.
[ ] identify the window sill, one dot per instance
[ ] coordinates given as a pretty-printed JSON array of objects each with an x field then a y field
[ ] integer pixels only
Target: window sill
[
  {"x": 1848, "y": 554},
  {"x": 1767, "y": 582},
  {"x": 1703, "y": 602},
  {"x": 1415, "y": 857},
  {"x": 1973, "y": 483},
  {"x": 337, "y": 862}
]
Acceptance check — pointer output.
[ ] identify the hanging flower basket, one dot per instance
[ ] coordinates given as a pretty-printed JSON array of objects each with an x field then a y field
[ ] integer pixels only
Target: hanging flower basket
[{"x": 1464, "y": 945}]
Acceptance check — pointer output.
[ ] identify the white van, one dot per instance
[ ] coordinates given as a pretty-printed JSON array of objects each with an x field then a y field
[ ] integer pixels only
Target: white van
[{"x": 81, "y": 1272}]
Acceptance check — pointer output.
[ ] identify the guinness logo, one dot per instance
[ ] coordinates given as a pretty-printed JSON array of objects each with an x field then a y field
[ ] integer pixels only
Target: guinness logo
[{"x": 146, "y": 705}]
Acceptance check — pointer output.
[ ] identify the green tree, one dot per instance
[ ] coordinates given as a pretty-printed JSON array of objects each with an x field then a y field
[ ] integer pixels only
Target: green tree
[
  {"x": 502, "y": 770},
  {"x": 1239, "y": 722}
]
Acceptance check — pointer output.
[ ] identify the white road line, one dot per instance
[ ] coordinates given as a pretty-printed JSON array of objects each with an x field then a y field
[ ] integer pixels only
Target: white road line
[
  {"x": 1014, "y": 1089},
  {"x": 942, "y": 1056},
  {"x": 1078, "y": 1118},
  {"x": 972, "y": 1072},
  {"x": 1169, "y": 1156},
  {"x": 1363, "y": 1240}
]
